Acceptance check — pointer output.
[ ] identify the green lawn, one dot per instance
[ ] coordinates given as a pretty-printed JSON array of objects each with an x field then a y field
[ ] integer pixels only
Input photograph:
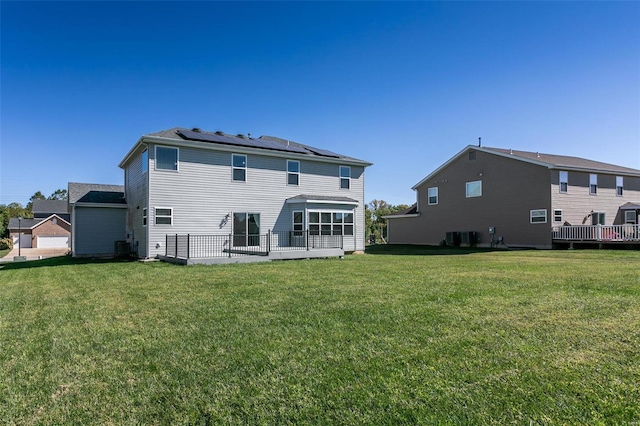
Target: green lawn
[{"x": 397, "y": 336}]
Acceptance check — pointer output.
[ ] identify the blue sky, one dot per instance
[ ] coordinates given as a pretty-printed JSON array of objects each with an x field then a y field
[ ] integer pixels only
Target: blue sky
[{"x": 403, "y": 85}]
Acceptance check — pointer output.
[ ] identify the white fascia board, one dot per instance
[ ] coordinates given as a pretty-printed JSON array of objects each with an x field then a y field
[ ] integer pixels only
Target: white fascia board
[
  {"x": 105, "y": 205},
  {"x": 46, "y": 219},
  {"x": 240, "y": 150},
  {"x": 348, "y": 203},
  {"x": 401, "y": 216}
]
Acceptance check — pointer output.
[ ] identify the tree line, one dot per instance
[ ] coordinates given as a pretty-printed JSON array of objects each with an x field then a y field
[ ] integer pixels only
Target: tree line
[
  {"x": 10, "y": 210},
  {"x": 375, "y": 223}
]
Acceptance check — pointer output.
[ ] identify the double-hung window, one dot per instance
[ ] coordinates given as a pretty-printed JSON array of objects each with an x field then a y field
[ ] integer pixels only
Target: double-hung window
[
  {"x": 538, "y": 216},
  {"x": 293, "y": 172},
  {"x": 557, "y": 215},
  {"x": 619, "y": 185},
  {"x": 474, "y": 189},
  {"x": 164, "y": 216},
  {"x": 239, "y": 167},
  {"x": 345, "y": 177},
  {"x": 166, "y": 158},
  {"x": 564, "y": 181},
  {"x": 144, "y": 160},
  {"x": 432, "y": 194},
  {"x": 593, "y": 184},
  {"x": 630, "y": 216}
]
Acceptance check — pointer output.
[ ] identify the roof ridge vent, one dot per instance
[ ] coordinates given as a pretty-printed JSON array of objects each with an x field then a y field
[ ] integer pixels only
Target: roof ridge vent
[
  {"x": 241, "y": 136},
  {"x": 537, "y": 154},
  {"x": 197, "y": 130},
  {"x": 219, "y": 132},
  {"x": 510, "y": 151}
]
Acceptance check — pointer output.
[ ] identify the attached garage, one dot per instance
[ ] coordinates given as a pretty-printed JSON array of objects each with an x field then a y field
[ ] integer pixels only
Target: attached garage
[
  {"x": 53, "y": 241},
  {"x": 25, "y": 241}
]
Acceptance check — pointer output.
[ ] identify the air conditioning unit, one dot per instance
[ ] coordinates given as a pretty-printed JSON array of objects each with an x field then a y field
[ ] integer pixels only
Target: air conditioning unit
[{"x": 122, "y": 248}]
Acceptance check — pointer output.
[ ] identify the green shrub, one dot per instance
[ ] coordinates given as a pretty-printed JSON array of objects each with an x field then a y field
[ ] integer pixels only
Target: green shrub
[{"x": 6, "y": 243}]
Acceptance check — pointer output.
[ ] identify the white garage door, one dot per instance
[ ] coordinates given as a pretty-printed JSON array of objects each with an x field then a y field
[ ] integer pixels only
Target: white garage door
[
  {"x": 53, "y": 242},
  {"x": 25, "y": 239}
]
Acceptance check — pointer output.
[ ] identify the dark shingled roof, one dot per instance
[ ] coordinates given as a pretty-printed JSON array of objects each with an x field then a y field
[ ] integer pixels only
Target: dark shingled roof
[
  {"x": 49, "y": 206},
  {"x": 306, "y": 197},
  {"x": 175, "y": 133},
  {"x": 24, "y": 223},
  {"x": 409, "y": 210},
  {"x": 560, "y": 161},
  {"x": 96, "y": 193}
]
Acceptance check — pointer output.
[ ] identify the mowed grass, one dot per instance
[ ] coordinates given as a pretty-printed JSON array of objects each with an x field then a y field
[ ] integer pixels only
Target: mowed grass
[{"x": 397, "y": 336}]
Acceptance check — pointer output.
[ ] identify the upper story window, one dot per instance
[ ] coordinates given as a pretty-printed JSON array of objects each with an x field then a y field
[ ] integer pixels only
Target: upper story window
[
  {"x": 144, "y": 159},
  {"x": 239, "y": 167},
  {"x": 345, "y": 177},
  {"x": 166, "y": 158},
  {"x": 474, "y": 189},
  {"x": 538, "y": 216},
  {"x": 619, "y": 185},
  {"x": 564, "y": 181},
  {"x": 432, "y": 194},
  {"x": 144, "y": 217},
  {"x": 164, "y": 216},
  {"x": 293, "y": 172},
  {"x": 593, "y": 184}
]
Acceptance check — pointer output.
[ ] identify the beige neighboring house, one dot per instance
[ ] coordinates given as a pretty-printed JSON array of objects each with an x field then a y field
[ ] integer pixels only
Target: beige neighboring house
[{"x": 493, "y": 197}]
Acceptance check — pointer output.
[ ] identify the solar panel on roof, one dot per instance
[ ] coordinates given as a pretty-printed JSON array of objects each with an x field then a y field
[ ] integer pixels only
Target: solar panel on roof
[
  {"x": 232, "y": 140},
  {"x": 323, "y": 152}
]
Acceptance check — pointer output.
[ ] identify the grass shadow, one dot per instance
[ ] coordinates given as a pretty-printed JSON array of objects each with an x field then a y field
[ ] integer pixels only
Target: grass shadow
[
  {"x": 58, "y": 261},
  {"x": 420, "y": 250}
]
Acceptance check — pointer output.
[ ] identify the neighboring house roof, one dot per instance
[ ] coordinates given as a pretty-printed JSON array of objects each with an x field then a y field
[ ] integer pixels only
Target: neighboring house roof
[
  {"x": 223, "y": 140},
  {"x": 305, "y": 198},
  {"x": 550, "y": 161},
  {"x": 50, "y": 207},
  {"x": 95, "y": 193},
  {"x": 14, "y": 223},
  {"x": 409, "y": 210}
]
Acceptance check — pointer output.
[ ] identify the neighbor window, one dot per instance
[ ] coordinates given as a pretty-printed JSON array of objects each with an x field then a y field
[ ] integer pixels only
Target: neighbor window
[
  {"x": 239, "y": 167},
  {"x": 246, "y": 229},
  {"x": 330, "y": 223},
  {"x": 345, "y": 177},
  {"x": 619, "y": 185},
  {"x": 164, "y": 216},
  {"x": 144, "y": 161},
  {"x": 538, "y": 216},
  {"x": 630, "y": 216},
  {"x": 144, "y": 217},
  {"x": 166, "y": 158},
  {"x": 293, "y": 172},
  {"x": 593, "y": 184},
  {"x": 432, "y": 193},
  {"x": 564, "y": 181},
  {"x": 474, "y": 189},
  {"x": 597, "y": 218},
  {"x": 557, "y": 215}
]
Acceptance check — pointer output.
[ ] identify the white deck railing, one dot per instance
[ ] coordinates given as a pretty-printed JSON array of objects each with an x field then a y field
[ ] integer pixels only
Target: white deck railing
[{"x": 597, "y": 233}]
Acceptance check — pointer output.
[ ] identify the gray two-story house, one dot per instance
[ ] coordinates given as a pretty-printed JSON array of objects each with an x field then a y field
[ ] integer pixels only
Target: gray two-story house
[
  {"x": 506, "y": 198},
  {"x": 188, "y": 182}
]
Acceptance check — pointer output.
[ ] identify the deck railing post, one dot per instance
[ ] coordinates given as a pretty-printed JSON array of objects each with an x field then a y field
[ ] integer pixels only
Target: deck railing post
[
  {"x": 188, "y": 245},
  {"x": 229, "y": 245},
  {"x": 166, "y": 244},
  {"x": 599, "y": 232},
  {"x": 268, "y": 241},
  {"x": 176, "y": 246},
  {"x": 307, "y": 239}
]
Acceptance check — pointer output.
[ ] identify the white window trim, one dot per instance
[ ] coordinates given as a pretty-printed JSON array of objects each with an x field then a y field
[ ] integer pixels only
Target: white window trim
[
  {"x": 145, "y": 169},
  {"x": 537, "y": 222},
  {"x": 467, "y": 189},
  {"x": 635, "y": 217},
  {"x": 429, "y": 196},
  {"x": 145, "y": 217},
  {"x": 293, "y": 173},
  {"x": 332, "y": 223},
  {"x": 561, "y": 215},
  {"x": 155, "y": 216},
  {"x": 341, "y": 177},
  {"x": 245, "y": 168},
  {"x": 620, "y": 186},
  {"x": 560, "y": 181},
  {"x": 593, "y": 181},
  {"x": 155, "y": 160}
]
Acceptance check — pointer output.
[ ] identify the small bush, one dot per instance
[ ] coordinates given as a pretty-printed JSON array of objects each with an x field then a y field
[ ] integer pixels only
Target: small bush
[{"x": 6, "y": 243}]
